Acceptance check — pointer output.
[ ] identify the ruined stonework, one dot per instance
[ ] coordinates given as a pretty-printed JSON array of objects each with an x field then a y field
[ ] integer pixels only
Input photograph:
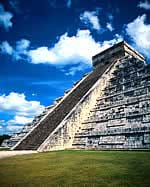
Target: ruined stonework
[{"x": 109, "y": 108}]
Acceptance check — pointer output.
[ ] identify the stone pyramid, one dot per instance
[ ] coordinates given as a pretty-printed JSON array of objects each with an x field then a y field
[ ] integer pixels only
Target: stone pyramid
[{"x": 109, "y": 108}]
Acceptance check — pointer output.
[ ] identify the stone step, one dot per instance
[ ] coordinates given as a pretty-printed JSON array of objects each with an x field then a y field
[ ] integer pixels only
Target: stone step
[{"x": 42, "y": 131}]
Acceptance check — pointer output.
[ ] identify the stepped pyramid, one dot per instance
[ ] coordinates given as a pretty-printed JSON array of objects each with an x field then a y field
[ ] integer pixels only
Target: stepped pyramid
[{"x": 109, "y": 108}]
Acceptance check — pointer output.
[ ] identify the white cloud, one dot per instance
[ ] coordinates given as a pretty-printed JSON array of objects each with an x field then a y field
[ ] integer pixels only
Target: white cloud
[
  {"x": 74, "y": 69},
  {"x": 69, "y": 50},
  {"x": 17, "y": 104},
  {"x": 22, "y": 120},
  {"x": 19, "y": 51},
  {"x": 139, "y": 33},
  {"x": 5, "y": 18},
  {"x": 13, "y": 128},
  {"x": 22, "y": 44},
  {"x": 42, "y": 55},
  {"x": 91, "y": 18},
  {"x": 23, "y": 111},
  {"x": 2, "y": 122},
  {"x": 6, "y": 48},
  {"x": 109, "y": 27},
  {"x": 145, "y": 5},
  {"x": 106, "y": 44}
]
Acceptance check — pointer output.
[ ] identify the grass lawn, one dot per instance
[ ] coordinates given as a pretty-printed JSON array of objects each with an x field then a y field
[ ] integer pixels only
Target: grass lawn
[
  {"x": 4, "y": 149},
  {"x": 77, "y": 168}
]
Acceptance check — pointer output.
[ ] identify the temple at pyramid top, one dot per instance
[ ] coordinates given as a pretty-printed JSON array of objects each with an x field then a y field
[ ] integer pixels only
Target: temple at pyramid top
[{"x": 118, "y": 50}]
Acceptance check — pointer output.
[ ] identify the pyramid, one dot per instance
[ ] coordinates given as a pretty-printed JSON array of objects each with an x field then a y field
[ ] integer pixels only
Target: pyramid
[{"x": 109, "y": 108}]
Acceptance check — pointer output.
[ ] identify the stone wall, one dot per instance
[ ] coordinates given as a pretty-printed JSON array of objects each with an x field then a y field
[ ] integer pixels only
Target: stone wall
[
  {"x": 121, "y": 117},
  {"x": 63, "y": 136},
  {"x": 108, "y": 109}
]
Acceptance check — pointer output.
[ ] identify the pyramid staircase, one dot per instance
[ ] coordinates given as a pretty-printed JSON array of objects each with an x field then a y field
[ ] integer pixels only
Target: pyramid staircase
[
  {"x": 107, "y": 109},
  {"x": 121, "y": 117},
  {"x": 36, "y": 137}
]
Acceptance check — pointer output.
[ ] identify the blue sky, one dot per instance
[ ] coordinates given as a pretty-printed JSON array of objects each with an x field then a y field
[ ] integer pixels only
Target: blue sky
[{"x": 45, "y": 46}]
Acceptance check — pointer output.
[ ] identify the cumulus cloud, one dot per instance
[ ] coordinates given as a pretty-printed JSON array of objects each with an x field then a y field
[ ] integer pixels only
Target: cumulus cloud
[
  {"x": 144, "y": 5},
  {"x": 5, "y": 18},
  {"x": 109, "y": 27},
  {"x": 18, "y": 52},
  {"x": 69, "y": 50},
  {"x": 17, "y": 104},
  {"x": 74, "y": 69},
  {"x": 42, "y": 55},
  {"x": 22, "y": 45},
  {"x": 1, "y": 122},
  {"x": 139, "y": 33},
  {"x": 20, "y": 108},
  {"x": 106, "y": 44},
  {"x": 13, "y": 128},
  {"x": 22, "y": 120},
  {"x": 91, "y": 19},
  {"x": 16, "y": 123},
  {"x": 6, "y": 48}
]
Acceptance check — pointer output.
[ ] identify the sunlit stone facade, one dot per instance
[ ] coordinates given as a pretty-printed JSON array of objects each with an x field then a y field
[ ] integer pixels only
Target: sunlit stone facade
[{"x": 109, "y": 108}]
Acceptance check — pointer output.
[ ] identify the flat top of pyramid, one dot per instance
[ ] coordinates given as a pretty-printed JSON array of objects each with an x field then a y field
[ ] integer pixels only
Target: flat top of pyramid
[{"x": 122, "y": 47}]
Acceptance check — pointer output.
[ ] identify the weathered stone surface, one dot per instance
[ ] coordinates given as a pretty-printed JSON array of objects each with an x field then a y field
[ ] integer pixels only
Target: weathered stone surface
[
  {"x": 108, "y": 109},
  {"x": 121, "y": 117}
]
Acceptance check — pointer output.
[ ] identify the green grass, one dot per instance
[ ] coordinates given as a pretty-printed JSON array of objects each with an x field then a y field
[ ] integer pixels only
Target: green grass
[
  {"x": 77, "y": 168},
  {"x": 4, "y": 149}
]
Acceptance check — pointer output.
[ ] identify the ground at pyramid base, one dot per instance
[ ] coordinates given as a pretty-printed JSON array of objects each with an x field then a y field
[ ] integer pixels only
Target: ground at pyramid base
[{"x": 109, "y": 108}]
